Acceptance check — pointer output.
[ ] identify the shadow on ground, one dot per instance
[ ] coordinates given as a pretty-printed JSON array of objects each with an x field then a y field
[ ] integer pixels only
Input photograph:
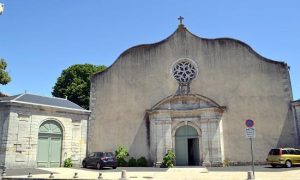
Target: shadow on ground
[
  {"x": 129, "y": 169},
  {"x": 25, "y": 171}
]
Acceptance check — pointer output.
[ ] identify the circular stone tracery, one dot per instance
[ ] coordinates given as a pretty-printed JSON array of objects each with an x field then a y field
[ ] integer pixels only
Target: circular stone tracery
[{"x": 184, "y": 71}]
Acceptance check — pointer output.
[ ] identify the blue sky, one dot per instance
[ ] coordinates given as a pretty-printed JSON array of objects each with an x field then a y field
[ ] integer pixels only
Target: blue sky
[{"x": 40, "y": 38}]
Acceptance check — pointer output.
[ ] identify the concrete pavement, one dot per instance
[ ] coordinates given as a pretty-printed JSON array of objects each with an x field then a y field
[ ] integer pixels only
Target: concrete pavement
[{"x": 177, "y": 173}]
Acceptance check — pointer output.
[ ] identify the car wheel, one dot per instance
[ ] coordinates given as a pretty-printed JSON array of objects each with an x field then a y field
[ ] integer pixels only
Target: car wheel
[
  {"x": 84, "y": 164},
  {"x": 274, "y": 165},
  {"x": 114, "y": 167},
  {"x": 288, "y": 164},
  {"x": 98, "y": 165}
]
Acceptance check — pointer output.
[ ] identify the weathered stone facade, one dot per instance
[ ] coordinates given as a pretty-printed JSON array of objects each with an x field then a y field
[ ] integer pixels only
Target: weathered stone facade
[
  {"x": 296, "y": 108},
  {"x": 19, "y": 132},
  {"x": 242, "y": 83}
]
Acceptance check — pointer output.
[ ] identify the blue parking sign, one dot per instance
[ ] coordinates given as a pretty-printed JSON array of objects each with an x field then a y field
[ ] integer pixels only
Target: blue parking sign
[{"x": 249, "y": 123}]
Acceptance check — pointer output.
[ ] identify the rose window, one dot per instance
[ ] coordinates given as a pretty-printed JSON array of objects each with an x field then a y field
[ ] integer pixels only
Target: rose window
[{"x": 184, "y": 71}]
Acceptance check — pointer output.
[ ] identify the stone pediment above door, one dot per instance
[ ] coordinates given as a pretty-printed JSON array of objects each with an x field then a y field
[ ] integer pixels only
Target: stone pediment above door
[{"x": 186, "y": 103}]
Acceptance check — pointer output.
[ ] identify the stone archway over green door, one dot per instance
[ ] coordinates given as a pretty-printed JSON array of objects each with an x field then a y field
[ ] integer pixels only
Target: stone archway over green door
[
  {"x": 49, "y": 144},
  {"x": 187, "y": 146}
]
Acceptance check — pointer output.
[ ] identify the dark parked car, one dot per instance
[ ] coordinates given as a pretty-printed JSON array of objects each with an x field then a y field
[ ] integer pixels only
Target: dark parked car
[{"x": 100, "y": 160}]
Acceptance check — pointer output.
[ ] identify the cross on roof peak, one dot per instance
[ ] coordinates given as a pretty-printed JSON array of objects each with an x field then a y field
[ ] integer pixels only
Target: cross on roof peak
[{"x": 180, "y": 20}]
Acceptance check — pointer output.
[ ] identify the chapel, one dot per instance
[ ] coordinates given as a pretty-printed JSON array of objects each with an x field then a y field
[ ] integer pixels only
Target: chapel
[{"x": 192, "y": 95}]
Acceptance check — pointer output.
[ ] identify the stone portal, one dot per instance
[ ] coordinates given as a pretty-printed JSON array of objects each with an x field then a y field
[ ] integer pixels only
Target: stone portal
[{"x": 189, "y": 125}]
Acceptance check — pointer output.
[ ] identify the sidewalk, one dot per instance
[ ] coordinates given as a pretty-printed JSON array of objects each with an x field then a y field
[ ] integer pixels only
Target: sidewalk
[{"x": 190, "y": 173}]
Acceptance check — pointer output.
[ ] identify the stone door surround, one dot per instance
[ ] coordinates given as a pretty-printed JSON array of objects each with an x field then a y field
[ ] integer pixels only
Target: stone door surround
[{"x": 194, "y": 110}]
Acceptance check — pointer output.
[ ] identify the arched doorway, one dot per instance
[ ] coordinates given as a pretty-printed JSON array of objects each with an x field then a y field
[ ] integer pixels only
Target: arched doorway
[
  {"x": 187, "y": 146},
  {"x": 49, "y": 144}
]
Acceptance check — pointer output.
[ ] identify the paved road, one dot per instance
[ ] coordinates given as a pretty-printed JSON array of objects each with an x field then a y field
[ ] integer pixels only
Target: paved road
[{"x": 180, "y": 173}]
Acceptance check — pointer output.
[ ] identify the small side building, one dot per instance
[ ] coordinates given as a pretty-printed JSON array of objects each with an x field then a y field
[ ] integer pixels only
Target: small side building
[{"x": 38, "y": 131}]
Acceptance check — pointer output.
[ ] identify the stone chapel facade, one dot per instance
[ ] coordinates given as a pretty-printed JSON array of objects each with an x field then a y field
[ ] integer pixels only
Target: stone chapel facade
[{"x": 192, "y": 95}]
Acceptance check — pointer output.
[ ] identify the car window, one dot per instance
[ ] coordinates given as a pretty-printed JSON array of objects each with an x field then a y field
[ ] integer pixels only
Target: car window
[
  {"x": 274, "y": 152},
  {"x": 291, "y": 151},
  {"x": 271, "y": 152},
  {"x": 285, "y": 152},
  {"x": 297, "y": 151},
  {"x": 109, "y": 154},
  {"x": 91, "y": 155}
]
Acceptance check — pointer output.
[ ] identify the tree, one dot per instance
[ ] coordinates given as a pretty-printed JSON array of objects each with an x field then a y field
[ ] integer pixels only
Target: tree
[
  {"x": 4, "y": 76},
  {"x": 74, "y": 83}
]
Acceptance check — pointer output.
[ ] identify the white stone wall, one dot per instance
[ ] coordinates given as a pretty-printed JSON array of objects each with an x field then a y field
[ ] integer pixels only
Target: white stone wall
[
  {"x": 3, "y": 133},
  {"x": 22, "y": 135},
  {"x": 161, "y": 138}
]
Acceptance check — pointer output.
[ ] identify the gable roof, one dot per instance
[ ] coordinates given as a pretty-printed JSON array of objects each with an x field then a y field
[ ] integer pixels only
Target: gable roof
[
  {"x": 183, "y": 31},
  {"x": 42, "y": 101}
]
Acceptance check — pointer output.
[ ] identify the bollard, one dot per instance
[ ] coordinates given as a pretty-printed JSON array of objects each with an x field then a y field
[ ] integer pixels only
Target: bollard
[
  {"x": 123, "y": 175},
  {"x": 29, "y": 175},
  {"x": 75, "y": 175},
  {"x": 51, "y": 175},
  {"x": 3, "y": 171},
  {"x": 249, "y": 175},
  {"x": 100, "y": 176}
]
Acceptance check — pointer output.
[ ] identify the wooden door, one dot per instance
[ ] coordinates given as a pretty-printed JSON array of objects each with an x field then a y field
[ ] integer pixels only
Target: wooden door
[{"x": 49, "y": 145}]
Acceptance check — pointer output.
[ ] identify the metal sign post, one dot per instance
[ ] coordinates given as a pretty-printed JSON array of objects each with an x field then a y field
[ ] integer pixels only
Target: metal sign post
[
  {"x": 252, "y": 158},
  {"x": 250, "y": 133}
]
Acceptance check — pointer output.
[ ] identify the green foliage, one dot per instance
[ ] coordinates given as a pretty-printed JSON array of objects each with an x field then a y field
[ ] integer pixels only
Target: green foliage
[
  {"x": 68, "y": 162},
  {"x": 142, "y": 162},
  {"x": 132, "y": 162},
  {"x": 74, "y": 83},
  {"x": 4, "y": 76},
  {"x": 226, "y": 162},
  {"x": 169, "y": 159},
  {"x": 121, "y": 154}
]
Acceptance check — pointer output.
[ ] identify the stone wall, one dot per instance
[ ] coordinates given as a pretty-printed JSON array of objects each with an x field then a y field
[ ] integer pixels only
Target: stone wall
[
  {"x": 4, "y": 116},
  {"x": 296, "y": 107},
  {"x": 22, "y": 134}
]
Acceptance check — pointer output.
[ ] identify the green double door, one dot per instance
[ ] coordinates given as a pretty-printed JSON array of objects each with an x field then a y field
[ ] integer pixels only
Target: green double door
[
  {"x": 187, "y": 146},
  {"x": 49, "y": 145}
]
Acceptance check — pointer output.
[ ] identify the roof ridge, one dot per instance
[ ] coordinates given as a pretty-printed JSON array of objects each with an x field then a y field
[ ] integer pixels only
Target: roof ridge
[
  {"x": 44, "y": 96},
  {"x": 18, "y": 96}
]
